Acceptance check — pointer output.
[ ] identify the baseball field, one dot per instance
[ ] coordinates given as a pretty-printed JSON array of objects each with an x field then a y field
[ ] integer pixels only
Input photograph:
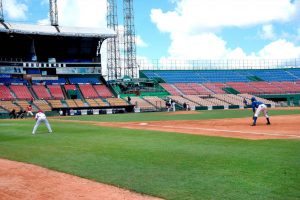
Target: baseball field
[{"x": 178, "y": 155}]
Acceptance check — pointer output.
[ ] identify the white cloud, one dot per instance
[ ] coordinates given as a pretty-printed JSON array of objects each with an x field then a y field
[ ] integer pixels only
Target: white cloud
[
  {"x": 267, "y": 32},
  {"x": 14, "y": 9},
  {"x": 195, "y": 15},
  {"x": 140, "y": 42},
  {"x": 202, "y": 46},
  {"x": 87, "y": 13},
  {"x": 193, "y": 23},
  {"x": 280, "y": 49}
]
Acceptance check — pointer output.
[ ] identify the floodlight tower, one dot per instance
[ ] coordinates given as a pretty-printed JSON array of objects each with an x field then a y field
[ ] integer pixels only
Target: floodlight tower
[
  {"x": 113, "y": 48},
  {"x": 53, "y": 13},
  {"x": 130, "y": 65},
  {"x": 1, "y": 12}
]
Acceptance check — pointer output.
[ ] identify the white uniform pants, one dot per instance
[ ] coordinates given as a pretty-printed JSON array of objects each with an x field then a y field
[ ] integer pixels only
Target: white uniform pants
[
  {"x": 29, "y": 113},
  {"x": 261, "y": 107},
  {"x": 38, "y": 122}
]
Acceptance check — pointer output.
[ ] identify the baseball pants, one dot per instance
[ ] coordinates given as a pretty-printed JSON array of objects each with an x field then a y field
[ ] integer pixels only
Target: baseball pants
[
  {"x": 261, "y": 108},
  {"x": 38, "y": 122}
]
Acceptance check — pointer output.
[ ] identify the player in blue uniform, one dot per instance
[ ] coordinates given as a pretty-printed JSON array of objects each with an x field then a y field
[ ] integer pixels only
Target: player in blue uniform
[{"x": 257, "y": 107}]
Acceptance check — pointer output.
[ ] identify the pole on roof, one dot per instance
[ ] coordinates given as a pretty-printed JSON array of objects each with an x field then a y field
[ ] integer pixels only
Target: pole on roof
[
  {"x": 1, "y": 12},
  {"x": 53, "y": 12},
  {"x": 130, "y": 65},
  {"x": 113, "y": 47}
]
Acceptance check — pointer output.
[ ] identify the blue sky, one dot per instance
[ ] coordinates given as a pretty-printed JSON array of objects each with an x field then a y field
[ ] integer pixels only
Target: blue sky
[{"x": 187, "y": 29}]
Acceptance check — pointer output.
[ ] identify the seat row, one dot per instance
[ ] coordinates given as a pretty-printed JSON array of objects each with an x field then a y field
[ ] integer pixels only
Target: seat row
[{"x": 52, "y": 91}]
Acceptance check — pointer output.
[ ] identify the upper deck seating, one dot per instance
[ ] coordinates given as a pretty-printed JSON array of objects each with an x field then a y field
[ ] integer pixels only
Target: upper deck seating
[
  {"x": 70, "y": 87},
  {"x": 103, "y": 91},
  {"x": 171, "y": 89},
  {"x": 266, "y": 88},
  {"x": 287, "y": 87},
  {"x": 56, "y": 91},
  {"x": 5, "y": 93},
  {"x": 88, "y": 91},
  {"x": 41, "y": 92},
  {"x": 243, "y": 87},
  {"x": 21, "y": 92},
  {"x": 215, "y": 87}
]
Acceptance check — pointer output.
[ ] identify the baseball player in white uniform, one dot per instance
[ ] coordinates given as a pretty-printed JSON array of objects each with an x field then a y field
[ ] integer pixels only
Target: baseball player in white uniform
[{"x": 41, "y": 117}]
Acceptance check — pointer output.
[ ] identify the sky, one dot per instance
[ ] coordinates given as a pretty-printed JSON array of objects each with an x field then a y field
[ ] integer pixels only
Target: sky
[{"x": 186, "y": 29}]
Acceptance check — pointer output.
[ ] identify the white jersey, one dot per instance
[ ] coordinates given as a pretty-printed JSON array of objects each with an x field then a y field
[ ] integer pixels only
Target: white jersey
[{"x": 40, "y": 115}]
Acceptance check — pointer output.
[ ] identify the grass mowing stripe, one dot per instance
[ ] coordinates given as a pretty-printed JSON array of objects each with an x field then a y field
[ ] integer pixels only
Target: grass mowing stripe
[
  {"x": 163, "y": 116},
  {"x": 173, "y": 166}
]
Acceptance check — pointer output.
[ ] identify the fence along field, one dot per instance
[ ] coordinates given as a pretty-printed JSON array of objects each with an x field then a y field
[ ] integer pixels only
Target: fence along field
[{"x": 163, "y": 164}]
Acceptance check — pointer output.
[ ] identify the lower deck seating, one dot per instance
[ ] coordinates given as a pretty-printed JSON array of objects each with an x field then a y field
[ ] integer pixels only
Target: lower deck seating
[
  {"x": 42, "y": 105},
  {"x": 117, "y": 102},
  {"x": 56, "y": 104},
  {"x": 71, "y": 103},
  {"x": 141, "y": 103},
  {"x": 156, "y": 101},
  {"x": 9, "y": 106}
]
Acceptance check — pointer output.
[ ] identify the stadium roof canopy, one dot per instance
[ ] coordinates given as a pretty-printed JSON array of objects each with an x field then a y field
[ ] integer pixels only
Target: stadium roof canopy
[{"x": 33, "y": 29}]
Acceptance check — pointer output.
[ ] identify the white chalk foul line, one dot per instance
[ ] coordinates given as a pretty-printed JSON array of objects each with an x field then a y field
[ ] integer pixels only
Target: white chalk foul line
[{"x": 229, "y": 131}]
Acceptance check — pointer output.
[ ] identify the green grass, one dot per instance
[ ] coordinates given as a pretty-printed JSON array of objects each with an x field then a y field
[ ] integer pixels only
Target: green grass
[
  {"x": 159, "y": 116},
  {"x": 168, "y": 165}
]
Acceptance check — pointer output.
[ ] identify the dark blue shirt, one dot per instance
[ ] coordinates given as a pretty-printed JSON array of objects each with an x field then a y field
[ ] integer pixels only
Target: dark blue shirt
[{"x": 255, "y": 105}]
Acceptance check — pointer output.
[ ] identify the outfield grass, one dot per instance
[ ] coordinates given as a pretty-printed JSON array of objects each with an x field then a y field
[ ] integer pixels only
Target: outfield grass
[
  {"x": 159, "y": 116},
  {"x": 168, "y": 165}
]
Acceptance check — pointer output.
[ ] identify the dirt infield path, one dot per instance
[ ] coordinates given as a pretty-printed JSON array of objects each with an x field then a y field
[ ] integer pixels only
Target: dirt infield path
[
  {"x": 30, "y": 182},
  {"x": 283, "y": 127}
]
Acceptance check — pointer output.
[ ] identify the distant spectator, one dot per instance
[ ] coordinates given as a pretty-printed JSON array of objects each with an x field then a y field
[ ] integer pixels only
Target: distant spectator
[
  {"x": 174, "y": 106},
  {"x": 128, "y": 99},
  {"x": 29, "y": 110},
  {"x": 184, "y": 106},
  {"x": 12, "y": 114},
  {"x": 168, "y": 105},
  {"x": 21, "y": 113},
  {"x": 60, "y": 112},
  {"x": 245, "y": 102}
]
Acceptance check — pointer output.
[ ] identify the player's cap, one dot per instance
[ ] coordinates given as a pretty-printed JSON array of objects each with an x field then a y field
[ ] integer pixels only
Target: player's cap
[
  {"x": 40, "y": 111},
  {"x": 253, "y": 99}
]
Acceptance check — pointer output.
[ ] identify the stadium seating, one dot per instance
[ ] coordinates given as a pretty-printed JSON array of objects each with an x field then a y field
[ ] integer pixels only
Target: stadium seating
[
  {"x": 9, "y": 105},
  {"x": 56, "y": 91},
  {"x": 156, "y": 101},
  {"x": 171, "y": 89},
  {"x": 56, "y": 104},
  {"x": 5, "y": 93},
  {"x": 103, "y": 91},
  {"x": 42, "y": 105},
  {"x": 215, "y": 87},
  {"x": 88, "y": 91},
  {"x": 41, "y": 92},
  {"x": 141, "y": 103},
  {"x": 21, "y": 92},
  {"x": 117, "y": 102}
]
